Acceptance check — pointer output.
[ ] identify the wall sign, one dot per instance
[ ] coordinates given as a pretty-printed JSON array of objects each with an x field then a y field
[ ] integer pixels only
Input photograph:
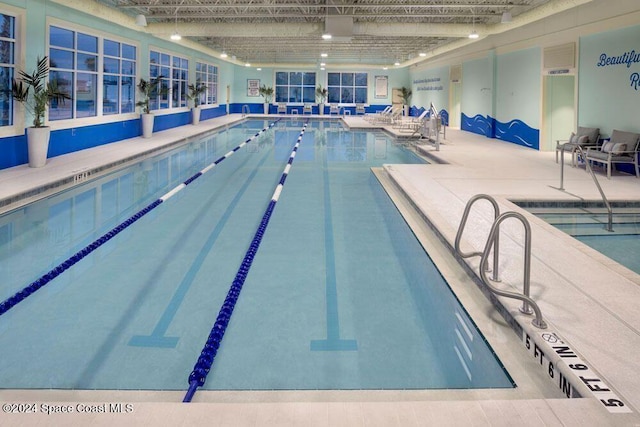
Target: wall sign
[
  {"x": 382, "y": 90},
  {"x": 253, "y": 87},
  {"x": 627, "y": 59}
]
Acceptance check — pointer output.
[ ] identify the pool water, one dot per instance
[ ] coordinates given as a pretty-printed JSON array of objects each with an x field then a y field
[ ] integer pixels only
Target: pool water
[
  {"x": 588, "y": 225},
  {"x": 340, "y": 294}
]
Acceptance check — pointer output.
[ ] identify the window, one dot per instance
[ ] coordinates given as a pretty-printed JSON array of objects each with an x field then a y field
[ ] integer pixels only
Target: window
[
  {"x": 175, "y": 73},
  {"x": 119, "y": 80},
  {"x": 7, "y": 67},
  {"x": 347, "y": 88},
  {"x": 295, "y": 86},
  {"x": 73, "y": 59},
  {"x": 98, "y": 74},
  {"x": 208, "y": 75}
]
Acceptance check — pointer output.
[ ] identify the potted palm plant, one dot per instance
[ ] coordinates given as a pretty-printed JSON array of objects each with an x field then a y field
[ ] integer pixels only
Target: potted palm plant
[
  {"x": 31, "y": 91},
  {"x": 147, "y": 89},
  {"x": 405, "y": 94},
  {"x": 196, "y": 90},
  {"x": 321, "y": 97},
  {"x": 267, "y": 93}
]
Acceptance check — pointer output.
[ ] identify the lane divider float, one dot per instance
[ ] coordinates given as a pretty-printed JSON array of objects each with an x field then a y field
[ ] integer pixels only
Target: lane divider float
[
  {"x": 203, "y": 365},
  {"x": 19, "y": 296}
]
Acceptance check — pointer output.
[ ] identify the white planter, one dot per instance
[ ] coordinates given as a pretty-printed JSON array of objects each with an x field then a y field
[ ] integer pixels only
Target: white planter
[
  {"x": 266, "y": 108},
  {"x": 38, "y": 145},
  {"x": 195, "y": 115},
  {"x": 147, "y": 124},
  {"x": 321, "y": 109}
]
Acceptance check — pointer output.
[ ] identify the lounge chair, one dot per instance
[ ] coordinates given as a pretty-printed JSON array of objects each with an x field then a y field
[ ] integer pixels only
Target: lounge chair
[
  {"x": 282, "y": 108},
  {"x": 359, "y": 109},
  {"x": 622, "y": 147},
  {"x": 372, "y": 116},
  {"x": 334, "y": 109},
  {"x": 583, "y": 138}
]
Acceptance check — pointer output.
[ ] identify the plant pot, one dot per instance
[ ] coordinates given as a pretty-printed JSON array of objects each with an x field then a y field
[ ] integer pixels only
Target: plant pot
[
  {"x": 147, "y": 124},
  {"x": 38, "y": 145},
  {"x": 195, "y": 115},
  {"x": 321, "y": 109},
  {"x": 266, "y": 108}
]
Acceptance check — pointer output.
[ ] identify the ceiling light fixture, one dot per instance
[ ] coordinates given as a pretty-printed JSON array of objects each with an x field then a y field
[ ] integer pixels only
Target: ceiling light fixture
[
  {"x": 326, "y": 36},
  {"x": 259, "y": 69},
  {"x": 223, "y": 54},
  {"x": 397, "y": 63},
  {"x": 324, "y": 55},
  {"x": 176, "y": 36},
  {"x": 422, "y": 54},
  {"x": 473, "y": 34},
  {"x": 506, "y": 17},
  {"x": 141, "y": 20},
  {"x": 247, "y": 65}
]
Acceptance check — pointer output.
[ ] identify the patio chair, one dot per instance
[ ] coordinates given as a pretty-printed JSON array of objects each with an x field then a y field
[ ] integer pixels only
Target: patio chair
[
  {"x": 359, "y": 109},
  {"x": 307, "y": 109},
  {"x": 622, "y": 147},
  {"x": 282, "y": 108},
  {"x": 334, "y": 109},
  {"x": 584, "y": 138}
]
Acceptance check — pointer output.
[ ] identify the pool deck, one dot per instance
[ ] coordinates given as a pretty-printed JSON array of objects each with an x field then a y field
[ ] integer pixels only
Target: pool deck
[{"x": 588, "y": 301}]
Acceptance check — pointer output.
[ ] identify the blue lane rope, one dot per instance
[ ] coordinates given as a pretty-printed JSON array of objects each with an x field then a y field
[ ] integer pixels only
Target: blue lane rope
[
  {"x": 10, "y": 302},
  {"x": 202, "y": 366}
]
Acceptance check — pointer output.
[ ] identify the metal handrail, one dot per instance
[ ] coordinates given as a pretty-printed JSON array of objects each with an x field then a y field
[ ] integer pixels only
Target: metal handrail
[
  {"x": 463, "y": 222},
  {"x": 527, "y": 302},
  {"x": 609, "y": 226},
  {"x": 245, "y": 107}
]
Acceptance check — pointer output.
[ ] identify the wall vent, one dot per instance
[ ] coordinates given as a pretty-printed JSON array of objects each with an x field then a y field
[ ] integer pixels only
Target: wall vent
[
  {"x": 455, "y": 73},
  {"x": 562, "y": 57}
]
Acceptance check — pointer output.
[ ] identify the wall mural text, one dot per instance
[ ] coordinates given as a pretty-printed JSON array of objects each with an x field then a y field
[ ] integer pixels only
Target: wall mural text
[{"x": 629, "y": 59}]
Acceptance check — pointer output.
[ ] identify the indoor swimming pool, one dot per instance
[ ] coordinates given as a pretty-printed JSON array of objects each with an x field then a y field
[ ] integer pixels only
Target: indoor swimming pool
[
  {"x": 340, "y": 294},
  {"x": 587, "y": 222}
]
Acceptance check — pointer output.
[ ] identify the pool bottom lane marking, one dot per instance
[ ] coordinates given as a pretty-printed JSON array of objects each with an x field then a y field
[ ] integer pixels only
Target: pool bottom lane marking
[
  {"x": 572, "y": 375},
  {"x": 201, "y": 369},
  {"x": 333, "y": 342},
  {"x": 18, "y": 297},
  {"x": 157, "y": 338}
]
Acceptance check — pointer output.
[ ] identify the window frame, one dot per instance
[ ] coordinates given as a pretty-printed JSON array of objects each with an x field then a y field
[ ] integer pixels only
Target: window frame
[
  {"x": 301, "y": 87},
  {"x": 99, "y": 118},
  {"x": 165, "y": 103},
  {"x": 17, "y": 119},
  {"x": 211, "y": 96},
  {"x": 341, "y": 87}
]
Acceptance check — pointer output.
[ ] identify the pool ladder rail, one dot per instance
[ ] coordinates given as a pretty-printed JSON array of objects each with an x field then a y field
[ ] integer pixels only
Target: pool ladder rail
[
  {"x": 529, "y": 306},
  {"x": 609, "y": 226}
]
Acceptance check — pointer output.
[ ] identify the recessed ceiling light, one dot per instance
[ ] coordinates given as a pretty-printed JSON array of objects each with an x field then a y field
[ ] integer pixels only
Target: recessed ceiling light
[
  {"x": 422, "y": 54},
  {"x": 223, "y": 54},
  {"x": 326, "y": 36},
  {"x": 324, "y": 55}
]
